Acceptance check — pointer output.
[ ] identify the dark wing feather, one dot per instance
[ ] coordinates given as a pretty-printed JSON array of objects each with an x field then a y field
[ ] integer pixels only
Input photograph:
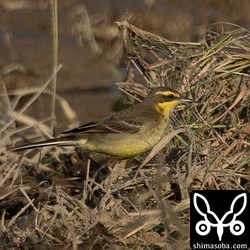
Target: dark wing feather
[{"x": 110, "y": 124}]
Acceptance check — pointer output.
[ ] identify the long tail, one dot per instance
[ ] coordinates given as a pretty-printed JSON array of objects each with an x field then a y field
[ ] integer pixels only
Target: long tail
[{"x": 64, "y": 141}]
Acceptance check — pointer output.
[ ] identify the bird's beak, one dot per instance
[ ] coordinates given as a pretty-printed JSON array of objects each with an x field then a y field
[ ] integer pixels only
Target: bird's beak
[{"x": 186, "y": 100}]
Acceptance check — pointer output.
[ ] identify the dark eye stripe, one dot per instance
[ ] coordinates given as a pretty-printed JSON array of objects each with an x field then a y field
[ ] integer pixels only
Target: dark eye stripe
[{"x": 167, "y": 98}]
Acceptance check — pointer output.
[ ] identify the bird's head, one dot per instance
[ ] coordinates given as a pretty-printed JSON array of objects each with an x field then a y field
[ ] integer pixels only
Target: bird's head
[{"x": 165, "y": 99}]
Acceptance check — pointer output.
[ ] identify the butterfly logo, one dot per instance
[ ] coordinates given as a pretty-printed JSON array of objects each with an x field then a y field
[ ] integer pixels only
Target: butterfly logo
[{"x": 210, "y": 219}]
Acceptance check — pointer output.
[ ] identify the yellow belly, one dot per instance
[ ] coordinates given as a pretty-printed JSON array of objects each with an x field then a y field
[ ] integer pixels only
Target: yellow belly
[{"x": 124, "y": 145}]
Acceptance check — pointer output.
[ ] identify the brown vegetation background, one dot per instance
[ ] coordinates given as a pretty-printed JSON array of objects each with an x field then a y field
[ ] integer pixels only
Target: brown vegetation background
[{"x": 57, "y": 197}]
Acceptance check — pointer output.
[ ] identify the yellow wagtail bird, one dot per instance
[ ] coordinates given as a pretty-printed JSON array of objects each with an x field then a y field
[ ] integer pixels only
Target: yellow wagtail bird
[{"x": 126, "y": 133}]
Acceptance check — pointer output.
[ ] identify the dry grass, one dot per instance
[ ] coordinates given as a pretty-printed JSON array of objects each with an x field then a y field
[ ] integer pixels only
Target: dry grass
[{"x": 59, "y": 198}]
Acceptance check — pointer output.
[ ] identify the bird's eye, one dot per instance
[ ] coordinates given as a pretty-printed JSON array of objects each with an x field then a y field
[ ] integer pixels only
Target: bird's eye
[{"x": 170, "y": 96}]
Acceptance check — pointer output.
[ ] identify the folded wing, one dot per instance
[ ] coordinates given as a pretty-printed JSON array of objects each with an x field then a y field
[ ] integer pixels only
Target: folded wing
[{"x": 110, "y": 124}]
